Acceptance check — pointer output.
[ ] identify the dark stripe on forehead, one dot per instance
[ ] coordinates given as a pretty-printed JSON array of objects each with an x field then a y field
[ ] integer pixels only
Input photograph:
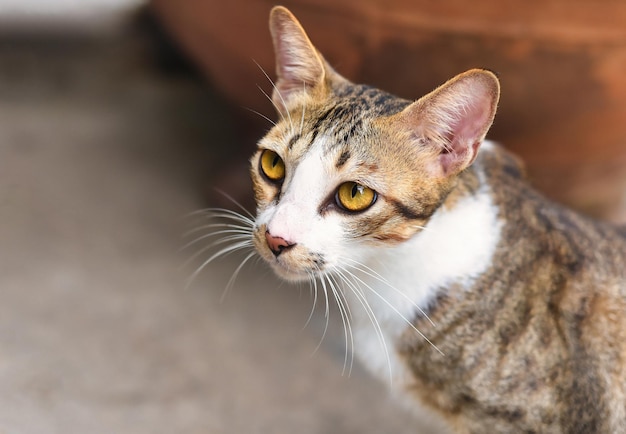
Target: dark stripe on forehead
[
  {"x": 353, "y": 107},
  {"x": 332, "y": 119},
  {"x": 372, "y": 100},
  {"x": 321, "y": 119},
  {"x": 293, "y": 140},
  {"x": 355, "y": 127},
  {"x": 345, "y": 155},
  {"x": 339, "y": 112},
  {"x": 315, "y": 130}
]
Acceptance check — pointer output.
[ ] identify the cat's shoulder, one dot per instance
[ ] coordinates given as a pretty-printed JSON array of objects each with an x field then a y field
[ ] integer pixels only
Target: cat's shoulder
[{"x": 497, "y": 160}]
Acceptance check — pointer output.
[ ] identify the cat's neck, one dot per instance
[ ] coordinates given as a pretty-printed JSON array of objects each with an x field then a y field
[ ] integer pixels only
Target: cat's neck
[{"x": 455, "y": 247}]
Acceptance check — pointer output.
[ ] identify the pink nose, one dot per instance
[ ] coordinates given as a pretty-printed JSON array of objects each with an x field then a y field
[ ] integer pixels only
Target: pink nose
[{"x": 277, "y": 244}]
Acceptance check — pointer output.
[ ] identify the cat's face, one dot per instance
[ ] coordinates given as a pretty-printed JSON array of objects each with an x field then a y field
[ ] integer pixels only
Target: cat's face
[
  {"x": 332, "y": 182},
  {"x": 348, "y": 169}
]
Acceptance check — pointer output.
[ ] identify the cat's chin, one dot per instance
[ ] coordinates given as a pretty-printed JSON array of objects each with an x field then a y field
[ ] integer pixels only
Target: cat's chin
[{"x": 289, "y": 275}]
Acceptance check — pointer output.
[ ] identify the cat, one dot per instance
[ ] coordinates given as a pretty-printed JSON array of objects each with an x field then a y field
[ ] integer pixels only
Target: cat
[{"x": 488, "y": 307}]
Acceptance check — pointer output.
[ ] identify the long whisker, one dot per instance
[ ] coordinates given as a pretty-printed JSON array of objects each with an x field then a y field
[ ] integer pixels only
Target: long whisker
[
  {"x": 372, "y": 273},
  {"x": 222, "y": 252},
  {"x": 232, "y": 279},
  {"x": 271, "y": 99},
  {"x": 392, "y": 307},
  {"x": 345, "y": 319},
  {"x": 245, "y": 240},
  {"x": 230, "y": 235},
  {"x": 313, "y": 286},
  {"x": 235, "y": 226},
  {"x": 227, "y": 226},
  {"x": 326, "y": 314},
  {"x": 224, "y": 213},
  {"x": 249, "y": 218},
  {"x": 218, "y": 223},
  {"x": 229, "y": 232},
  {"x": 243, "y": 232},
  {"x": 278, "y": 93},
  {"x": 303, "y": 109},
  {"x": 261, "y": 115},
  {"x": 370, "y": 314}
]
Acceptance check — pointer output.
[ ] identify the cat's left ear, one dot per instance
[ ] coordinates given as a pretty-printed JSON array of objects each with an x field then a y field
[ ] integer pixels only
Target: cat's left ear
[
  {"x": 454, "y": 119},
  {"x": 299, "y": 66}
]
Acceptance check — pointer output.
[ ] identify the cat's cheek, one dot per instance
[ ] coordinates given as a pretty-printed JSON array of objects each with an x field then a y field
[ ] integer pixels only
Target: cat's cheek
[
  {"x": 393, "y": 235},
  {"x": 260, "y": 244}
]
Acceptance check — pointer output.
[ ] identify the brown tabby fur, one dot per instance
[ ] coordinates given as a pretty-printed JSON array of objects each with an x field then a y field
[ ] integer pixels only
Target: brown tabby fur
[{"x": 538, "y": 343}]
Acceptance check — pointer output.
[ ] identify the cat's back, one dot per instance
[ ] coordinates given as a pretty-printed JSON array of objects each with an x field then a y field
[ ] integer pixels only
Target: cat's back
[
  {"x": 568, "y": 259},
  {"x": 576, "y": 244}
]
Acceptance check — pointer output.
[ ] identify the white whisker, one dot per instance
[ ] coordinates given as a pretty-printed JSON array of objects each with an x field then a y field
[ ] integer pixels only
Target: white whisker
[
  {"x": 372, "y": 273},
  {"x": 313, "y": 288},
  {"x": 227, "y": 227},
  {"x": 224, "y": 212},
  {"x": 392, "y": 307},
  {"x": 271, "y": 100},
  {"x": 231, "y": 281},
  {"x": 344, "y": 312},
  {"x": 246, "y": 241},
  {"x": 261, "y": 115},
  {"x": 223, "y": 252},
  {"x": 221, "y": 213},
  {"x": 303, "y": 109},
  {"x": 370, "y": 314},
  {"x": 279, "y": 95},
  {"x": 326, "y": 314},
  {"x": 235, "y": 231}
]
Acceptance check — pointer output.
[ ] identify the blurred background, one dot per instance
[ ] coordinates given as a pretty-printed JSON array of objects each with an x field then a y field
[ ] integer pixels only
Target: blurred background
[{"x": 119, "y": 117}]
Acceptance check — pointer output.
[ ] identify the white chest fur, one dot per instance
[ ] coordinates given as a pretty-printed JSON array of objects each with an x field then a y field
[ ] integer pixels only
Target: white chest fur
[{"x": 456, "y": 246}]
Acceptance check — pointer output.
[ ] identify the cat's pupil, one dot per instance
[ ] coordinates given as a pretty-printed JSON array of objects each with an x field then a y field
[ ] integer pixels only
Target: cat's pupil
[
  {"x": 275, "y": 161},
  {"x": 357, "y": 189}
]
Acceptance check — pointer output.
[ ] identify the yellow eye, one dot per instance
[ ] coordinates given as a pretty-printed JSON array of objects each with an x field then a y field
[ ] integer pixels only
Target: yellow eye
[
  {"x": 355, "y": 197},
  {"x": 272, "y": 165}
]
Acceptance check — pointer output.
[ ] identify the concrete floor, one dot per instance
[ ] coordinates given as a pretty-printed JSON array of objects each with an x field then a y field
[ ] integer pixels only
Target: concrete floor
[{"x": 101, "y": 159}]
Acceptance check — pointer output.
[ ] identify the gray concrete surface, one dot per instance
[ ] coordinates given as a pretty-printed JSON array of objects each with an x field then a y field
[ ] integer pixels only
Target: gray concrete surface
[{"x": 101, "y": 157}]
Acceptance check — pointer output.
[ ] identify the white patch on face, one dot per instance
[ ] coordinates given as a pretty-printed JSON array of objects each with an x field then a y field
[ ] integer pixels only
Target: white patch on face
[{"x": 296, "y": 218}]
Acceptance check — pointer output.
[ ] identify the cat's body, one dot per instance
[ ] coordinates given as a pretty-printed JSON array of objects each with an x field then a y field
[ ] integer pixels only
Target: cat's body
[
  {"x": 492, "y": 308},
  {"x": 536, "y": 340}
]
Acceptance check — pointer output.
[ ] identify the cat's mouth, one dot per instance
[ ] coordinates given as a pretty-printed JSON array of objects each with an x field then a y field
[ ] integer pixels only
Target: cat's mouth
[{"x": 294, "y": 264}]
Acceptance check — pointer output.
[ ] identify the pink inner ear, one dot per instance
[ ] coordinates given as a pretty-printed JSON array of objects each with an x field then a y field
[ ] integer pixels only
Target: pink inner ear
[
  {"x": 457, "y": 158},
  {"x": 469, "y": 122},
  {"x": 298, "y": 65},
  {"x": 292, "y": 76}
]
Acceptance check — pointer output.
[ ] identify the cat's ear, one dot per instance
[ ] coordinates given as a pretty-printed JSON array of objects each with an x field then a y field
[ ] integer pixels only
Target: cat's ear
[
  {"x": 454, "y": 119},
  {"x": 299, "y": 66}
]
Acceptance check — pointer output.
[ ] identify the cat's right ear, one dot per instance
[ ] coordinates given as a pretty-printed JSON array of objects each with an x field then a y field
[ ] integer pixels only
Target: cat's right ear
[
  {"x": 452, "y": 121},
  {"x": 299, "y": 66}
]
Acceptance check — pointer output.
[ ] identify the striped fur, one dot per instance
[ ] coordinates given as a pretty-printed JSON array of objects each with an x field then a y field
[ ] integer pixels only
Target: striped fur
[{"x": 528, "y": 298}]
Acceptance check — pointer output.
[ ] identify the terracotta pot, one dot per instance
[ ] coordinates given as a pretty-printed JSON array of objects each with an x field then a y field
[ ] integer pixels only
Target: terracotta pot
[{"x": 562, "y": 65}]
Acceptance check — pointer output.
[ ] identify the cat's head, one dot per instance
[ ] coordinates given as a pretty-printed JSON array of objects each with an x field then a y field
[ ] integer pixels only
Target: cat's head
[{"x": 348, "y": 168}]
